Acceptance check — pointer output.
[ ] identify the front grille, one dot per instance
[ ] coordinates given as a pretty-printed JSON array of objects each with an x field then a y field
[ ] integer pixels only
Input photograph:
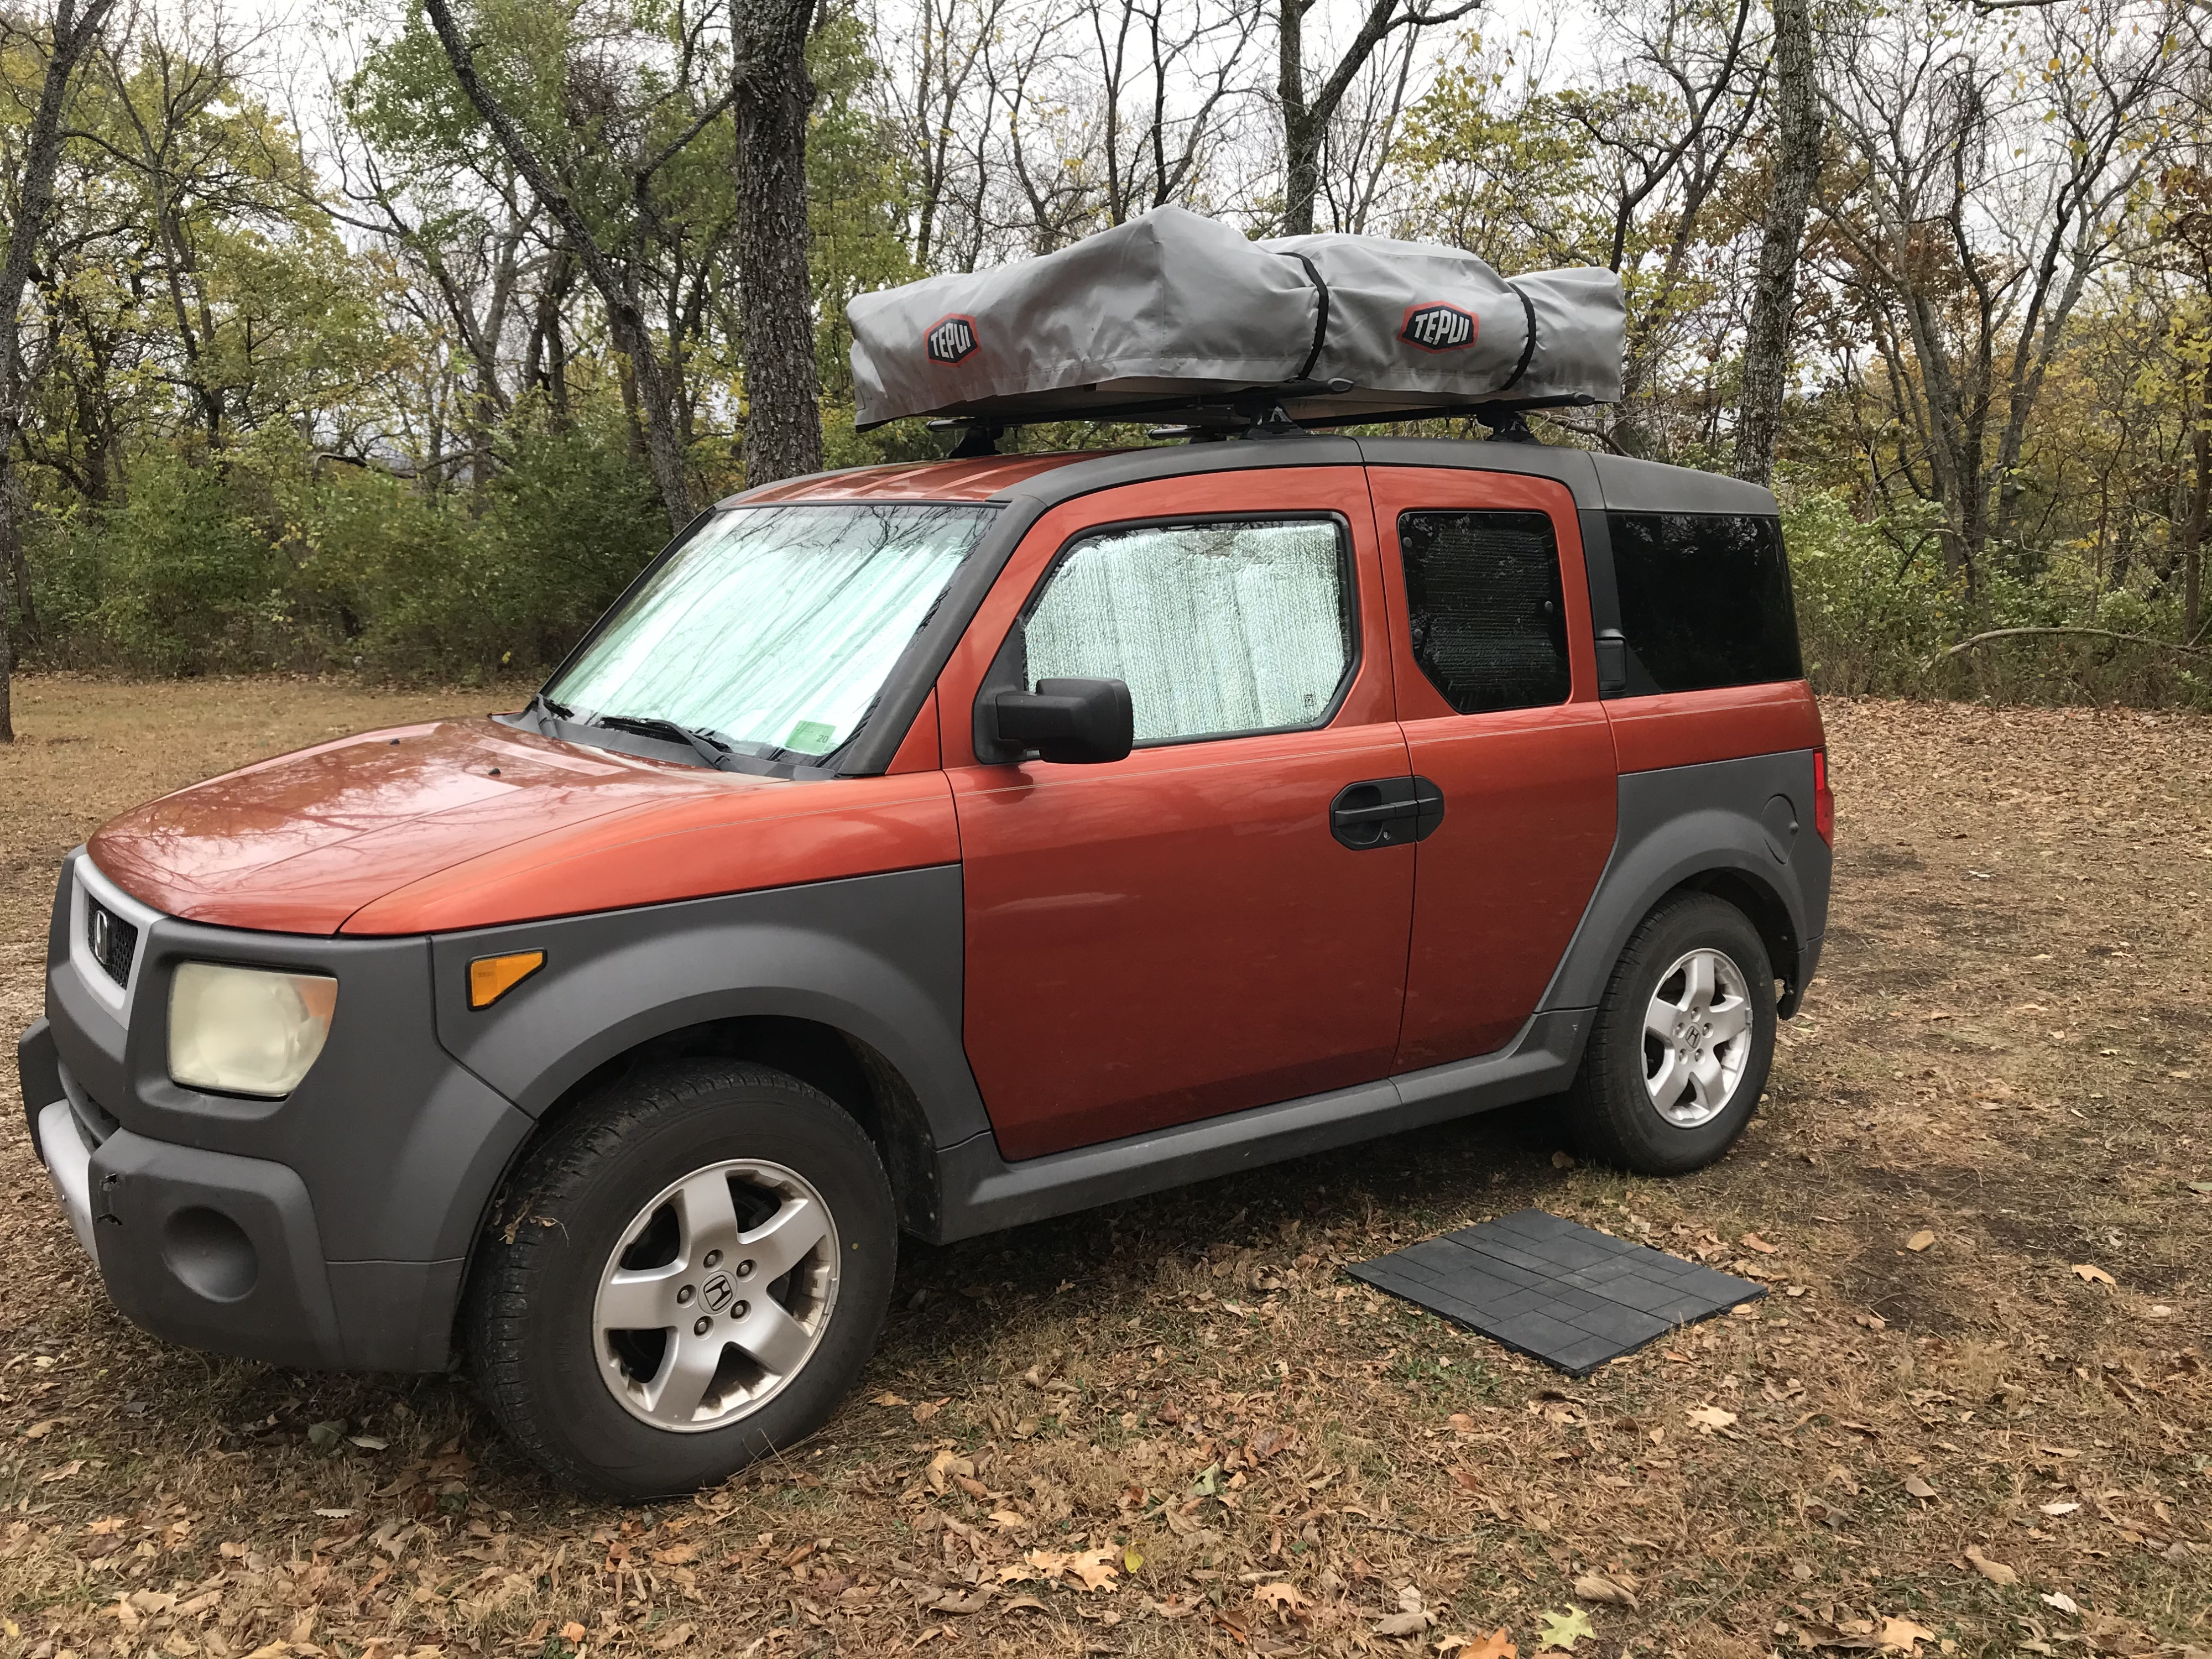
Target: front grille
[{"x": 113, "y": 941}]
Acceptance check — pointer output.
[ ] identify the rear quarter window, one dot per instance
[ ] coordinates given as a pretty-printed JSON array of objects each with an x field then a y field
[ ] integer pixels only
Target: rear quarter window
[{"x": 1704, "y": 600}]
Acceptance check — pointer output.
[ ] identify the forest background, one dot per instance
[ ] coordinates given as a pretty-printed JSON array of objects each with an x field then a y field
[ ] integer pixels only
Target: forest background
[{"x": 391, "y": 339}]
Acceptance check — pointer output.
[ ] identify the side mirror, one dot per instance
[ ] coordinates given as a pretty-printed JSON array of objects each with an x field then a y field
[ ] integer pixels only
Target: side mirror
[{"x": 1074, "y": 722}]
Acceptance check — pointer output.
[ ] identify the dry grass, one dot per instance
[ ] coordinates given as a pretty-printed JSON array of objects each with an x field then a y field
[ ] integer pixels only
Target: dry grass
[{"x": 2007, "y": 1048}]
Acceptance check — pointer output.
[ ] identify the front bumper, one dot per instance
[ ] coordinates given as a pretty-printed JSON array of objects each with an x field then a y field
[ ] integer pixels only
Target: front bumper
[{"x": 328, "y": 1230}]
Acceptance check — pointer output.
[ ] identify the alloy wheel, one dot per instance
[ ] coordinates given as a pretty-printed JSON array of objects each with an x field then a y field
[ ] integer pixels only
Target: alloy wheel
[
  {"x": 716, "y": 1295},
  {"x": 1697, "y": 1038}
]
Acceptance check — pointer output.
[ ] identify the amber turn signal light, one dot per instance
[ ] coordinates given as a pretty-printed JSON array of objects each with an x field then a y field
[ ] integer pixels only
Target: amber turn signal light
[{"x": 491, "y": 978}]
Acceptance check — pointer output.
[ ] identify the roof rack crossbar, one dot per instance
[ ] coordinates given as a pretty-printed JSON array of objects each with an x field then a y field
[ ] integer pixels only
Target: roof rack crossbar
[{"x": 1258, "y": 410}]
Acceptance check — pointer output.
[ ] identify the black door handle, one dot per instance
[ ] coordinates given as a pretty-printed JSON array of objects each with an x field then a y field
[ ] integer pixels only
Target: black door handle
[{"x": 1385, "y": 812}]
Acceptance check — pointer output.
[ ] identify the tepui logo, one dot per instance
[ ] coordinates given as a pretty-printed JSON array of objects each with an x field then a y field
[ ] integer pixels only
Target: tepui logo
[
  {"x": 1437, "y": 326},
  {"x": 950, "y": 341}
]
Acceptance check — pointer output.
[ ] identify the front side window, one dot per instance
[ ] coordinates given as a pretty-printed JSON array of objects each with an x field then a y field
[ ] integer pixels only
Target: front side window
[
  {"x": 1482, "y": 602},
  {"x": 1220, "y": 630},
  {"x": 1704, "y": 600},
  {"x": 773, "y": 628}
]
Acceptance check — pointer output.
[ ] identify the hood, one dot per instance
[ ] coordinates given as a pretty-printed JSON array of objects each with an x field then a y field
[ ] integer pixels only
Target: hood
[{"x": 468, "y": 823}]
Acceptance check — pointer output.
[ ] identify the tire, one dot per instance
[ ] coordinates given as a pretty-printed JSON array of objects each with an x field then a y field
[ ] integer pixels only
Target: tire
[
  {"x": 614, "y": 1219},
  {"x": 1615, "y": 1114}
]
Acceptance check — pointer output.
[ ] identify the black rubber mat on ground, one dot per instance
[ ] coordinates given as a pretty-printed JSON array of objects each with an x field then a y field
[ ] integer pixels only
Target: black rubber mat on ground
[{"x": 1568, "y": 1295}]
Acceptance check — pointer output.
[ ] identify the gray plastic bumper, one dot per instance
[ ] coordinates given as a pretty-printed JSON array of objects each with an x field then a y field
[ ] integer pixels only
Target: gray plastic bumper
[{"x": 69, "y": 1166}]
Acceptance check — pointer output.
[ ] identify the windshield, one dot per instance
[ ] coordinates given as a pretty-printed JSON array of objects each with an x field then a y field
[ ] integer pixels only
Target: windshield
[{"x": 772, "y": 629}]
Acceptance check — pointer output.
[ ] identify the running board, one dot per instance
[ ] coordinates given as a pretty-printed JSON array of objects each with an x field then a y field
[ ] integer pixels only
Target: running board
[{"x": 982, "y": 1192}]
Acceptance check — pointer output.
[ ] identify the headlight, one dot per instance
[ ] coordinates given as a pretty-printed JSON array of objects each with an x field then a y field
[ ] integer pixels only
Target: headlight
[{"x": 247, "y": 1030}]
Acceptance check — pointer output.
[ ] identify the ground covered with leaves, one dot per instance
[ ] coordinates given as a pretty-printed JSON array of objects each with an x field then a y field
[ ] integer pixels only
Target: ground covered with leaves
[{"x": 1972, "y": 1417}]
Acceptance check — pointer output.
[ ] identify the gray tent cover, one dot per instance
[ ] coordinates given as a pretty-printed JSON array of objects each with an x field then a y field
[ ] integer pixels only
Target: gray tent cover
[{"x": 1175, "y": 307}]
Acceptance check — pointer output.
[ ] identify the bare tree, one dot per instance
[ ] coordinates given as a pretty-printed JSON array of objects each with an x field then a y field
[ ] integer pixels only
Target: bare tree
[
  {"x": 1355, "y": 167},
  {"x": 1974, "y": 220},
  {"x": 1796, "y": 168},
  {"x": 1164, "y": 93},
  {"x": 616, "y": 280},
  {"x": 1307, "y": 111},
  {"x": 68, "y": 41},
  {"x": 931, "y": 91},
  {"x": 473, "y": 265}
]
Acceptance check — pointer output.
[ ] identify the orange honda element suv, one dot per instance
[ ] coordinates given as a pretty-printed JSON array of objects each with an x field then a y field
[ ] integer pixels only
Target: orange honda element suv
[{"x": 940, "y": 848}]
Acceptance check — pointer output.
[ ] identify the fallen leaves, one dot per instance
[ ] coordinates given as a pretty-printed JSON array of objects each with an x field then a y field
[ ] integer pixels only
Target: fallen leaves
[
  {"x": 1754, "y": 1241},
  {"x": 2089, "y": 1273},
  {"x": 1492, "y": 1646},
  {"x": 1709, "y": 1417},
  {"x": 1411, "y": 1618},
  {"x": 1284, "y": 1599},
  {"x": 1995, "y": 1571},
  {"x": 1089, "y": 1570},
  {"x": 1918, "y": 1487},
  {"x": 1921, "y": 1240},
  {"x": 947, "y": 1467},
  {"x": 1596, "y": 1587},
  {"x": 1904, "y": 1635},
  {"x": 1561, "y": 1631}
]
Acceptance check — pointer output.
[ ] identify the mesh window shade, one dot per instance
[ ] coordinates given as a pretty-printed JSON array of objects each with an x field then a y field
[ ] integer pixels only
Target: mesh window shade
[
  {"x": 1217, "y": 629},
  {"x": 1482, "y": 591}
]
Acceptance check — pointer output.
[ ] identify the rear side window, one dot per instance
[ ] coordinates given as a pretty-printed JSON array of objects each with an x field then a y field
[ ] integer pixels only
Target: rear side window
[
  {"x": 1220, "y": 630},
  {"x": 1482, "y": 596},
  {"x": 1704, "y": 600}
]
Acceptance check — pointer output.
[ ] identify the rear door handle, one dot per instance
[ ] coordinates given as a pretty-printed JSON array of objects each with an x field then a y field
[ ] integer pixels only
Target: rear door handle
[{"x": 1385, "y": 812}]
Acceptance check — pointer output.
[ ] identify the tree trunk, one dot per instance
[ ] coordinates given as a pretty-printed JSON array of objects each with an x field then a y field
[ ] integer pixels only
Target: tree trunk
[
  {"x": 72, "y": 38},
  {"x": 1301, "y": 132},
  {"x": 2192, "y": 526},
  {"x": 1796, "y": 169},
  {"x": 775, "y": 291}
]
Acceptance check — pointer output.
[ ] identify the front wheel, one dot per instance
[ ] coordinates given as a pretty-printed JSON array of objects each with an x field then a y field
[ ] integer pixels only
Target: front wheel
[
  {"x": 1684, "y": 1038},
  {"x": 688, "y": 1275}
]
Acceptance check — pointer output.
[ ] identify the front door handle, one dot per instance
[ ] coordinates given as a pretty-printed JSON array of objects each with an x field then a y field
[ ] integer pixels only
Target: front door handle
[{"x": 1385, "y": 812}]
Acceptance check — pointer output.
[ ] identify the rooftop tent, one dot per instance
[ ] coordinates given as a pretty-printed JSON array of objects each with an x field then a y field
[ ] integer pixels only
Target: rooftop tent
[{"x": 1175, "y": 310}]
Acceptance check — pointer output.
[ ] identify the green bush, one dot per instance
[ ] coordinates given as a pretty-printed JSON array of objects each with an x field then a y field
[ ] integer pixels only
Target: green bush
[
  {"x": 1876, "y": 615},
  {"x": 275, "y": 560}
]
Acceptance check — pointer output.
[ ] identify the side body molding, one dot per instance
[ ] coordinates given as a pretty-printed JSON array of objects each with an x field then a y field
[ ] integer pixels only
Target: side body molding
[
  {"x": 1684, "y": 823},
  {"x": 875, "y": 956}
]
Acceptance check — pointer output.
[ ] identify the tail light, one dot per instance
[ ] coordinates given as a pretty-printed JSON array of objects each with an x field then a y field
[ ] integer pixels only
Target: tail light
[{"x": 1823, "y": 798}]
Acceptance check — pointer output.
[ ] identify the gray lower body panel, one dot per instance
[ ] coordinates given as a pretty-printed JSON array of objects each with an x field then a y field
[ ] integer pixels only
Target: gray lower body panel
[{"x": 982, "y": 1192}]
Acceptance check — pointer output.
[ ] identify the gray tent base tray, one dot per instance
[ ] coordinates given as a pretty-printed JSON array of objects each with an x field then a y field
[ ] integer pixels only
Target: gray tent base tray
[{"x": 1567, "y": 1295}]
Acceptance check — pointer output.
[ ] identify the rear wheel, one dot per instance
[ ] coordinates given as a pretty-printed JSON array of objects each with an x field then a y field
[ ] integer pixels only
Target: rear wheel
[
  {"x": 688, "y": 1275},
  {"x": 1683, "y": 1040}
]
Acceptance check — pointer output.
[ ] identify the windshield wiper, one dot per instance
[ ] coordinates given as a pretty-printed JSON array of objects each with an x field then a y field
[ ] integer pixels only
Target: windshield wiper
[
  {"x": 709, "y": 746},
  {"x": 540, "y": 709}
]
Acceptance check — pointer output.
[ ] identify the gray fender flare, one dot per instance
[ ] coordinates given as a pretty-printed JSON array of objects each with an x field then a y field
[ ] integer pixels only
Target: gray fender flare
[
  {"x": 1686, "y": 825},
  {"x": 876, "y": 957}
]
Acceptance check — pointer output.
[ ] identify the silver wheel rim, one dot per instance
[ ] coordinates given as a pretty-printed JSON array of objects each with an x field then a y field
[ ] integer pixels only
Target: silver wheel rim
[
  {"x": 716, "y": 1295},
  {"x": 1697, "y": 1038}
]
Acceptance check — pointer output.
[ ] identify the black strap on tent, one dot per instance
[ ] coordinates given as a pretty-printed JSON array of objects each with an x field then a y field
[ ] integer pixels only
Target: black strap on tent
[
  {"x": 1527, "y": 351},
  {"x": 1320, "y": 321}
]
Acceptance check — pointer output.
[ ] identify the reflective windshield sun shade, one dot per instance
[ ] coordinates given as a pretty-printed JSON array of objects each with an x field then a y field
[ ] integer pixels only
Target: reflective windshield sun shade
[
  {"x": 1220, "y": 630},
  {"x": 774, "y": 627}
]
